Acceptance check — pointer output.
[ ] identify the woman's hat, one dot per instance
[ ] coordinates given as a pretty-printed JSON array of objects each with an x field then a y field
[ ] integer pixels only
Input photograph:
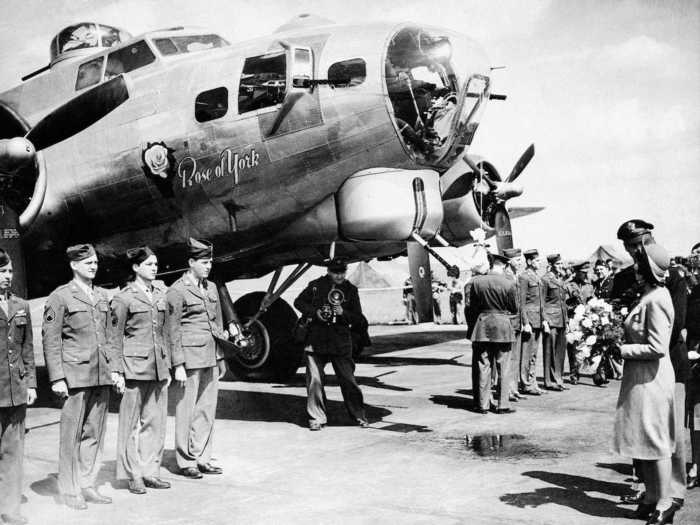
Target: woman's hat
[{"x": 659, "y": 260}]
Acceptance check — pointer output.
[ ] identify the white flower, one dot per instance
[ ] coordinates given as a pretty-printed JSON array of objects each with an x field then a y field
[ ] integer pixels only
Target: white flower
[
  {"x": 586, "y": 322},
  {"x": 570, "y": 338},
  {"x": 624, "y": 311},
  {"x": 156, "y": 159},
  {"x": 595, "y": 318},
  {"x": 479, "y": 235},
  {"x": 579, "y": 311},
  {"x": 604, "y": 320},
  {"x": 607, "y": 307},
  {"x": 590, "y": 340},
  {"x": 578, "y": 335}
]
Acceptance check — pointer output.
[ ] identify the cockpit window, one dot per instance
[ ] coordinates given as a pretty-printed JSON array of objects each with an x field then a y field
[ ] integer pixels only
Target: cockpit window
[
  {"x": 425, "y": 74},
  {"x": 85, "y": 36},
  {"x": 348, "y": 73},
  {"x": 89, "y": 73},
  {"x": 128, "y": 58},
  {"x": 263, "y": 82},
  {"x": 176, "y": 45}
]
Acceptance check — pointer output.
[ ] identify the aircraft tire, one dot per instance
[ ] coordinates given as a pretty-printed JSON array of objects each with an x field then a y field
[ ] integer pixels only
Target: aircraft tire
[{"x": 282, "y": 357}]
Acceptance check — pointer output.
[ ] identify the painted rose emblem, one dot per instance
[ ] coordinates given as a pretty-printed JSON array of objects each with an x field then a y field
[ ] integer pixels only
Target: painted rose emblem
[
  {"x": 156, "y": 157},
  {"x": 159, "y": 165}
]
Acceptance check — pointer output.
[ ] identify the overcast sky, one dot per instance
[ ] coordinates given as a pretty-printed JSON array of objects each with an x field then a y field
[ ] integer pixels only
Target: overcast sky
[{"x": 609, "y": 92}]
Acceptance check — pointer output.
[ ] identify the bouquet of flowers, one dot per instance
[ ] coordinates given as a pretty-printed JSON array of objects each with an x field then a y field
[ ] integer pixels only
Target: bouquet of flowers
[{"x": 597, "y": 332}]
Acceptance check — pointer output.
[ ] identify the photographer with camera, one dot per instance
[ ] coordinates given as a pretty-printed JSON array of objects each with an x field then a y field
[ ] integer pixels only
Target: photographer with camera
[{"x": 333, "y": 305}]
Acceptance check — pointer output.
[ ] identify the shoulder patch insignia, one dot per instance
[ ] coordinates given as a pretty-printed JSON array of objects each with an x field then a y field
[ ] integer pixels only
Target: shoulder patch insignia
[{"x": 49, "y": 315}]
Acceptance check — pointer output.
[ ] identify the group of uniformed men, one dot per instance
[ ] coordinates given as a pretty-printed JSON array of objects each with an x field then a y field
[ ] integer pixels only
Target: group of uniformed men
[
  {"x": 131, "y": 345},
  {"x": 511, "y": 310}
]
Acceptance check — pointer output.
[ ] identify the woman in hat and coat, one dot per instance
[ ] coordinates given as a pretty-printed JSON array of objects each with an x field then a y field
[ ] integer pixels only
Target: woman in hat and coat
[{"x": 644, "y": 420}]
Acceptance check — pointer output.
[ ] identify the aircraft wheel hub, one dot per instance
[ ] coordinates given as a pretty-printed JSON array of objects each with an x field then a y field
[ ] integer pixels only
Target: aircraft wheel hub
[{"x": 256, "y": 352}]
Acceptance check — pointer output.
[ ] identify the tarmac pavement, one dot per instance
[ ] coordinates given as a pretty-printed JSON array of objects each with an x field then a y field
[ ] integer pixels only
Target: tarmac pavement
[{"x": 427, "y": 458}]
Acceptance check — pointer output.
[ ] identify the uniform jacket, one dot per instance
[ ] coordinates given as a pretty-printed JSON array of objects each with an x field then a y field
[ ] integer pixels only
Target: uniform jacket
[
  {"x": 492, "y": 303},
  {"x": 75, "y": 335},
  {"x": 530, "y": 298},
  {"x": 16, "y": 353},
  {"x": 625, "y": 289},
  {"x": 554, "y": 295},
  {"x": 194, "y": 320},
  {"x": 138, "y": 333},
  {"x": 330, "y": 338},
  {"x": 516, "y": 320},
  {"x": 578, "y": 293},
  {"x": 603, "y": 288}
]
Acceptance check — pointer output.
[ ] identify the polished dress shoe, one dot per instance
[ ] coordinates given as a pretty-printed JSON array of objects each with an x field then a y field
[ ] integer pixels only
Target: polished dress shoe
[
  {"x": 92, "y": 496},
  {"x": 505, "y": 411},
  {"x": 315, "y": 426},
  {"x": 662, "y": 517},
  {"x": 693, "y": 482},
  {"x": 155, "y": 483},
  {"x": 678, "y": 503},
  {"x": 632, "y": 499},
  {"x": 556, "y": 388},
  {"x": 643, "y": 511},
  {"x": 208, "y": 468},
  {"x": 75, "y": 502},
  {"x": 191, "y": 472},
  {"x": 363, "y": 423},
  {"x": 513, "y": 399},
  {"x": 573, "y": 380},
  {"x": 136, "y": 486},
  {"x": 14, "y": 519},
  {"x": 532, "y": 392}
]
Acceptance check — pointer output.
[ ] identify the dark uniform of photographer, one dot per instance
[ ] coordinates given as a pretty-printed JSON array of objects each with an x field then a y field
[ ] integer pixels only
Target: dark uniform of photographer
[
  {"x": 579, "y": 292},
  {"x": 333, "y": 305}
]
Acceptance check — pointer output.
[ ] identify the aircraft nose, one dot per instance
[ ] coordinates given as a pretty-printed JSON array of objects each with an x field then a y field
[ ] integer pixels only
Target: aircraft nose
[{"x": 15, "y": 153}]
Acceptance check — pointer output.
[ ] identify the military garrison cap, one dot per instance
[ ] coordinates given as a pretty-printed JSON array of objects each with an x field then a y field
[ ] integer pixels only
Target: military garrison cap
[
  {"x": 138, "y": 255},
  {"x": 497, "y": 257},
  {"x": 555, "y": 257},
  {"x": 4, "y": 258},
  {"x": 199, "y": 249},
  {"x": 531, "y": 253},
  {"x": 512, "y": 252},
  {"x": 80, "y": 252},
  {"x": 633, "y": 229},
  {"x": 337, "y": 265}
]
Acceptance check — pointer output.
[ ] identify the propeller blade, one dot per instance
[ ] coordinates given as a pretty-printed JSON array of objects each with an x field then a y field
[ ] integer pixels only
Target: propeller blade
[
  {"x": 79, "y": 113},
  {"x": 522, "y": 163},
  {"x": 419, "y": 268},
  {"x": 504, "y": 235}
]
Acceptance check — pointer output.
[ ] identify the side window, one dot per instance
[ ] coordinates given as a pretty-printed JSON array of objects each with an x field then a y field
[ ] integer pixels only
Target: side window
[
  {"x": 128, "y": 58},
  {"x": 211, "y": 104},
  {"x": 303, "y": 67},
  {"x": 89, "y": 73},
  {"x": 347, "y": 73},
  {"x": 263, "y": 82}
]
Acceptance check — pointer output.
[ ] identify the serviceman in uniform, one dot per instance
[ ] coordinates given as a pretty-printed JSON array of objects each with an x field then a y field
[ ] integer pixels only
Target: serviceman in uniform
[
  {"x": 333, "y": 304},
  {"x": 554, "y": 323},
  {"x": 603, "y": 286},
  {"x": 530, "y": 304},
  {"x": 579, "y": 291},
  {"x": 81, "y": 369},
  {"x": 492, "y": 304},
  {"x": 194, "y": 321},
  {"x": 17, "y": 390},
  {"x": 138, "y": 319},
  {"x": 513, "y": 269}
]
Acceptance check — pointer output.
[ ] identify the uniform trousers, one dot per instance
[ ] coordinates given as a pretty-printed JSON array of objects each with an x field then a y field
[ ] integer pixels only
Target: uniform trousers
[
  {"x": 490, "y": 356},
  {"x": 195, "y": 410},
  {"x": 528, "y": 359},
  {"x": 141, "y": 436},
  {"x": 83, "y": 422},
  {"x": 514, "y": 366},
  {"x": 554, "y": 353},
  {"x": 344, "y": 369},
  {"x": 573, "y": 361},
  {"x": 11, "y": 458}
]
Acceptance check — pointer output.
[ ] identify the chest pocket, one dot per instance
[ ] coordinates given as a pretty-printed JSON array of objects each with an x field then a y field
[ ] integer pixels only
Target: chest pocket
[
  {"x": 78, "y": 315},
  {"x": 20, "y": 324}
]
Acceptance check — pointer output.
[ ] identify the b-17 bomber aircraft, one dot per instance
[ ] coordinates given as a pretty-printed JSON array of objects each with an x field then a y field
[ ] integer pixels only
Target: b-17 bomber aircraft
[{"x": 317, "y": 140}]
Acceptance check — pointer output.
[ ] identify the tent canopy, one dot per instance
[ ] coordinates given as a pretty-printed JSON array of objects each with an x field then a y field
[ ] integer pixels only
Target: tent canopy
[
  {"x": 604, "y": 252},
  {"x": 364, "y": 276}
]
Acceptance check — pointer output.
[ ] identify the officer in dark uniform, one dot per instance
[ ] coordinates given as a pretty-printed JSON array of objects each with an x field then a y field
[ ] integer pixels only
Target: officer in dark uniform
[
  {"x": 333, "y": 304},
  {"x": 81, "y": 369},
  {"x": 138, "y": 317},
  {"x": 492, "y": 304},
  {"x": 530, "y": 304},
  {"x": 634, "y": 234},
  {"x": 515, "y": 266},
  {"x": 554, "y": 323},
  {"x": 579, "y": 291},
  {"x": 17, "y": 390},
  {"x": 194, "y": 321},
  {"x": 603, "y": 286}
]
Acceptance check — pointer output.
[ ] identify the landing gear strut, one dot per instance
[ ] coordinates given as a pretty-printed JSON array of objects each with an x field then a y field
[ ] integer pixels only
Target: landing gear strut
[{"x": 265, "y": 350}]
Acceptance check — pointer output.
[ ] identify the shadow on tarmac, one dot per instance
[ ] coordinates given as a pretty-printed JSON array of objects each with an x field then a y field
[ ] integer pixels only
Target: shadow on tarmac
[
  {"x": 331, "y": 380},
  {"x": 418, "y": 361},
  {"x": 571, "y": 492},
  {"x": 461, "y": 403},
  {"x": 404, "y": 341}
]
